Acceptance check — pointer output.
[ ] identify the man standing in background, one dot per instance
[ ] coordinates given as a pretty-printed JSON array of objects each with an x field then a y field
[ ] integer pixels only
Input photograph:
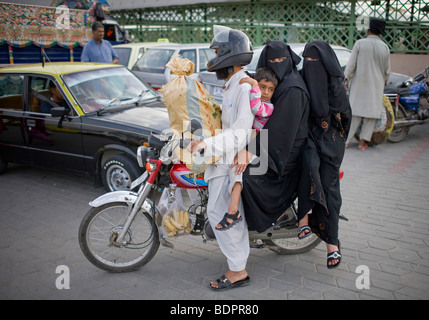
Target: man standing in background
[
  {"x": 366, "y": 75},
  {"x": 98, "y": 49}
]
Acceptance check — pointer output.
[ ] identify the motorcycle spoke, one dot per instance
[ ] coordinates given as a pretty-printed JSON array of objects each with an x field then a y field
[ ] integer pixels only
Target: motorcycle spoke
[{"x": 107, "y": 224}]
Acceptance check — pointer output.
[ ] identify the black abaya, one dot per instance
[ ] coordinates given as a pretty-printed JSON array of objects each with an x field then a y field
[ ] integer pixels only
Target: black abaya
[
  {"x": 329, "y": 123},
  {"x": 266, "y": 197}
]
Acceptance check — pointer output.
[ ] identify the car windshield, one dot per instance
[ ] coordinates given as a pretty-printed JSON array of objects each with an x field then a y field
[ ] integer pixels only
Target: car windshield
[
  {"x": 97, "y": 89},
  {"x": 154, "y": 60}
]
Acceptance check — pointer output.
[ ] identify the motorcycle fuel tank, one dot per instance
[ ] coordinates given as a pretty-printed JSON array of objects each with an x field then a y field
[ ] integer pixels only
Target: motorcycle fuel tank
[{"x": 186, "y": 179}]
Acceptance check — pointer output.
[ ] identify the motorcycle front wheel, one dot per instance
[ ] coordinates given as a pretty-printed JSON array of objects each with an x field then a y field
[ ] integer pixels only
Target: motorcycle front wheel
[{"x": 102, "y": 224}]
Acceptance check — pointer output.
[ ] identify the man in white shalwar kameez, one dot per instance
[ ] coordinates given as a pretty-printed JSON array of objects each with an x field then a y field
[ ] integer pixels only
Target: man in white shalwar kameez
[
  {"x": 237, "y": 120},
  {"x": 366, "y": 75}
]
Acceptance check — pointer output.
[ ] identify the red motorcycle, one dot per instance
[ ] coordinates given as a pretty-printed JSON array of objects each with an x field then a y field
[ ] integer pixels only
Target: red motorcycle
[{"x": 123, "y": 229}]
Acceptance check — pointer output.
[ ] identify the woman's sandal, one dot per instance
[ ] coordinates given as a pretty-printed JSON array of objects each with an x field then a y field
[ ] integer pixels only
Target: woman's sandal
[
  {"x": 225, "y": 224},
  {"x": 335, "y": 255},
  {"x": 302, "y": 229},
  {"x": 224, "y": 283}
]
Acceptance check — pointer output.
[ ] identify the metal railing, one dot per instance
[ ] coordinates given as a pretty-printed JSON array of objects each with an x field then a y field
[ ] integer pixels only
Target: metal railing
[{"x": 337, "y": 22}]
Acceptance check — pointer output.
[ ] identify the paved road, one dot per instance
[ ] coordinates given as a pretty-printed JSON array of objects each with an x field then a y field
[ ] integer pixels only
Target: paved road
[{"x": 385, "y": 196}]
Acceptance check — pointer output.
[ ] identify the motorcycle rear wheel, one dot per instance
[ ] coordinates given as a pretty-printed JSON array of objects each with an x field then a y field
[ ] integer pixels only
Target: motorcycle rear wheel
[
  {"x": 286, "y": 246},
  {"x": 398, "y": 134},
  {"x": 103, "y": 223}
]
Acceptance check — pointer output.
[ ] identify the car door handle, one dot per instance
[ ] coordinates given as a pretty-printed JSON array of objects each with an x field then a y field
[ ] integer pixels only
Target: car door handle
[{"x": 31, "y": 123}]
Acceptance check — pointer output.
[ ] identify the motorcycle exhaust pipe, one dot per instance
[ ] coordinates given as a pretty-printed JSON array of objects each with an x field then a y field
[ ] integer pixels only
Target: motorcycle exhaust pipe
[{"x": 407, "y": 123}]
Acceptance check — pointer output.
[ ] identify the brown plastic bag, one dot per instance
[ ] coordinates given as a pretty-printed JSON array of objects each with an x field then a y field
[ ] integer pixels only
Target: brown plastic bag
[{"x": 186, "y": 99}]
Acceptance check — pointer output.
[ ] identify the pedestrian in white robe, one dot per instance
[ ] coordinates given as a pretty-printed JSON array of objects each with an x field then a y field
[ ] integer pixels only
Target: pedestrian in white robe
[{"x": 366, "y": 75}]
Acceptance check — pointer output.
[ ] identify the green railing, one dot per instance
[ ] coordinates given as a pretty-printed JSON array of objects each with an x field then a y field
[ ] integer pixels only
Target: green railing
[{"x": 336, "y": 22}]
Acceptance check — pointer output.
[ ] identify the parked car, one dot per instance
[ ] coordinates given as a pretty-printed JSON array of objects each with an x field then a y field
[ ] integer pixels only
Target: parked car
[
  {"x": 214, "y": 86},
  {"x": 129, "y": 53},
  {"x": 151, "y": 66},
  {"x": 106, "y": 114}
]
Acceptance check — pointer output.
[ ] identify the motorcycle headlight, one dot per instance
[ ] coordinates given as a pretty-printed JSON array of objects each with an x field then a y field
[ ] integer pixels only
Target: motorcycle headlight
[{"x": 143, "y": 153}]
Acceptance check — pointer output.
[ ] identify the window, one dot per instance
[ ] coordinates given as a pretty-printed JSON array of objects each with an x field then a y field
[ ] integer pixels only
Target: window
[
  {"x": 109, "y": 33},
  {"x": 42, "y": 91},
  {"x": 205, "y": 56},
  {"x": 39, "y": 86},
  {"x": 124, "y": 55},
  {"x": 11, "y": 91},
  {"x": 189, "y": 54},
  {"x": 154, "y": 60}
]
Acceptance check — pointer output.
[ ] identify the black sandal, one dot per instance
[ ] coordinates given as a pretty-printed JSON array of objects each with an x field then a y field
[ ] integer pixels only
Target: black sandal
[
  {"x": 335, "y": 255},
  {"x": 224, "y": 283},
  {"x": 225, "y": 224},
  {"x": 303, "y": 229}
]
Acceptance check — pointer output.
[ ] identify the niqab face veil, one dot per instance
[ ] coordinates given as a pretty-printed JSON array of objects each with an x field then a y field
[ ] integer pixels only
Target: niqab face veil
[
  {"x": 285, "y": 70},
  {"x": 324, "y": 78}
]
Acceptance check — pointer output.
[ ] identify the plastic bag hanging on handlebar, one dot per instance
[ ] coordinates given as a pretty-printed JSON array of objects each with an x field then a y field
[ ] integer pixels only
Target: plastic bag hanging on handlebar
[{"x": 175, "y": 220}]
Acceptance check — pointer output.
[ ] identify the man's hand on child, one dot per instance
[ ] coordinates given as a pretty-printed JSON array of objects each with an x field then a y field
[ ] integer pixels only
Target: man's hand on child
[
  {"x": 195, "y": 146},
  {"x": 241, "y": 160}
]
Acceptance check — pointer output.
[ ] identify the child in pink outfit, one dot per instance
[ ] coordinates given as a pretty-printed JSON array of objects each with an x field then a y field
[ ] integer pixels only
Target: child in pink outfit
[
  {"x": 261, "y": 109},
  {"x": 263, "y": 86}
]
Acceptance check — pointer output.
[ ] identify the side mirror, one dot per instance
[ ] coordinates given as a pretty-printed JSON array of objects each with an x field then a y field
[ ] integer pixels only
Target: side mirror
[{"x": 59, "y": 111}]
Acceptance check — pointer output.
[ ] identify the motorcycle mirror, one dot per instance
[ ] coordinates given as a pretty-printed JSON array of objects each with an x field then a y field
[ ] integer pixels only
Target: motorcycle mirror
[{"x": 194, "y": 125}]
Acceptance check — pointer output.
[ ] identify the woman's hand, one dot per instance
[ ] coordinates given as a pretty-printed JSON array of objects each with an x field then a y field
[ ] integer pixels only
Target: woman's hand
[
  {"x": 241, "y": 160},
  {"x": 195, "y": 146}
]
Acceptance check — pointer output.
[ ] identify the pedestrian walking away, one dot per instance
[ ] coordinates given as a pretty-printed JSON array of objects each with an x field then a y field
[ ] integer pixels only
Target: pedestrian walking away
[{"x": 366, "y": 75}]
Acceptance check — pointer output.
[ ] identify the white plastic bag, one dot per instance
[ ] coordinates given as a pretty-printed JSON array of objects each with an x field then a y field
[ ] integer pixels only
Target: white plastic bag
[{"x": 175, "y": 220}]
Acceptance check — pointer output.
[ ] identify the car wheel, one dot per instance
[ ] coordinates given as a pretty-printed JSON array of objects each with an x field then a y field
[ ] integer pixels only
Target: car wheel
[
  {"x": 3, "y": 165},
  {"x": 118, "y": 172}
]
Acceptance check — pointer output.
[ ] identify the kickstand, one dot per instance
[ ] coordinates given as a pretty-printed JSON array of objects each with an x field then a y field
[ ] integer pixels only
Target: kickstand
[{"x": 343, "y": 217}]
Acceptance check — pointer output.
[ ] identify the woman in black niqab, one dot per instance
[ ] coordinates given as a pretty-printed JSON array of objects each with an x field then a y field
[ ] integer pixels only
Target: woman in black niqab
[
  {"x": 266, "y": 196},
  {"x": 329, "y": 124}
]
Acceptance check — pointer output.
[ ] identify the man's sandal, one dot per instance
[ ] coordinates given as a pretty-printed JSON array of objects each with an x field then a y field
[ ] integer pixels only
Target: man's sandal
[
  {"x": 335, "y": 255},
  {"x": 225, "y": 224},
  {"x": 303, "y": 229},
  {"x": 224, "y": 283}
]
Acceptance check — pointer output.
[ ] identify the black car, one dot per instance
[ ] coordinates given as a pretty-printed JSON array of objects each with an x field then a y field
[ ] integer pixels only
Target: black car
[{"x": 103, "y": 113}]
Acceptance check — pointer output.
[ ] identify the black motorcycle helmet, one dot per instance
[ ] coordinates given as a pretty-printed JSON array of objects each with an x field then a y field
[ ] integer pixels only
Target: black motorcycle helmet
[{"x": 234, "y": 49}]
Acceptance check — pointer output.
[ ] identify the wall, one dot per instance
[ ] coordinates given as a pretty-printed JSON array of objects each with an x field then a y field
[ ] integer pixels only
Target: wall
[{"x": 409, "y": 64}]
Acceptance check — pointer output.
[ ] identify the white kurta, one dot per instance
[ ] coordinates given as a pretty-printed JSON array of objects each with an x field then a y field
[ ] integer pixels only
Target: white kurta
[
  {"x": 237, "y": 120},
  {"x": 367, "y": 72}
]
